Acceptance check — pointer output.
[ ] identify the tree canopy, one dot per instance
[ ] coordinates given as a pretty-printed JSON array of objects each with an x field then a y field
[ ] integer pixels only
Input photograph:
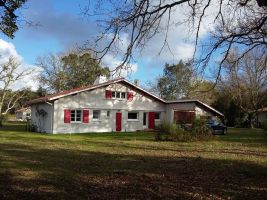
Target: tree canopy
[
  {"x": 8, "y": 18},
  {"x": 70, "y": 71}
]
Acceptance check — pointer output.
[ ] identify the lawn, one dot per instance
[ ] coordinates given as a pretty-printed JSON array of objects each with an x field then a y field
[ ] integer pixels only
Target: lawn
[{"x": 131, "y": 166}]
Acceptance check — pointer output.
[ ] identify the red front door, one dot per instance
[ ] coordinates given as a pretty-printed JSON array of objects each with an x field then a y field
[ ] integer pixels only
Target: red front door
[
  {"x": 151, "y": 120},
  {"x": 118, "y": 121}
]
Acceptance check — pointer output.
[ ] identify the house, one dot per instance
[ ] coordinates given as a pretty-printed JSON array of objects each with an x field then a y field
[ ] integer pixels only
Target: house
[
  {"x": 111, "y": 106},
  {"x": 23, "y": 114},
  {"x": 262, "y": 115}
]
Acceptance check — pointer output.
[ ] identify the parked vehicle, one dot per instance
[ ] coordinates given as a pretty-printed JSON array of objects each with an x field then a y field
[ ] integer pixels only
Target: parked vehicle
[{"x": 217, "y": 126}]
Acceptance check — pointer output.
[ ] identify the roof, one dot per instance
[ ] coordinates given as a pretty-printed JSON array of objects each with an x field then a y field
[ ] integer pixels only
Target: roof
[
  {"x": 263, "y": 109},
  {"x": 23, "y": 109},
  {"x": 56, "y": 96},
  {"x": 200, "y": 103}
]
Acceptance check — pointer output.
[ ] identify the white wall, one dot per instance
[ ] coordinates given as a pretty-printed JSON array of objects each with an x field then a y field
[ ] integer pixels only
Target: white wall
[
  {"x": 43, "y": 123},
  {"x": 95, "y": 100}
]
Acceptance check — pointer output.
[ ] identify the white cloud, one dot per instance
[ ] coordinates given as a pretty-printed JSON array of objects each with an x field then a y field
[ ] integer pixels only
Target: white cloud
[
  {"x": 112, "y": 62},
  {"x": 7, "y": 49},
  {"x": 184, "y": 51}
]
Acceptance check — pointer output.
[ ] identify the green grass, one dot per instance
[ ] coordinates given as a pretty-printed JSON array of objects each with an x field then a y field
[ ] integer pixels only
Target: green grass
[{"x": 131, "y": 166}]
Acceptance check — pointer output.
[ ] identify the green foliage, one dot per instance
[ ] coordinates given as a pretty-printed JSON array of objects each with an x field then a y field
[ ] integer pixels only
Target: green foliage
[
  {"x": 8, "y": 19},
  {"x": 175, "y": 80},
  {"x": 200, "y": 131},
  {"x": 70, "y": 71},
  {"x": 173, "y": 132}
]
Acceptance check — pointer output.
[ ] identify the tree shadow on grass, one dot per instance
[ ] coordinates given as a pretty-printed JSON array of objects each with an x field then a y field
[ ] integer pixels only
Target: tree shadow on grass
[{"x": 31, "y": 173}]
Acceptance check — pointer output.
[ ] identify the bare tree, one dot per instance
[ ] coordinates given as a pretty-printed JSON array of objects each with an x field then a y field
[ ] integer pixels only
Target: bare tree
[
  {"x": 237, "y": 23},
  {"x": 10, "y": 74},
  {"x": 246, "y": 81}
]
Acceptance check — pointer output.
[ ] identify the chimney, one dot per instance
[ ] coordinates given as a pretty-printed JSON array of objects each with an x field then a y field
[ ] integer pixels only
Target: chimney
[
  {"x": 136, "y": 82},
  {"x": 100, "y": 79}
]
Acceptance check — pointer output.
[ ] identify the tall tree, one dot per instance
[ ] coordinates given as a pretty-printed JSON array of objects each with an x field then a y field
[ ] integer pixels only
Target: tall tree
[
  {"x": 175, "y": 81},
  {"x": 70, "y": 71},
  {"x": 8, "y": 18},
  {"x": 246, "y": 80}
]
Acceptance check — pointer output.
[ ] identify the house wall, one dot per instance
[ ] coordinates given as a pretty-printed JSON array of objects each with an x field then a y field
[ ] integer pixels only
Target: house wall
[
  {"x": 95, "y": 100},
  {"x": 43, "y": 123},
  {"x": 170, "y": 108}
]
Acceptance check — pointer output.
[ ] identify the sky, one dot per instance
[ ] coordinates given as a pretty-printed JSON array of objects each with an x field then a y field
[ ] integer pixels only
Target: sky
[{"x": 61, "y": 26}]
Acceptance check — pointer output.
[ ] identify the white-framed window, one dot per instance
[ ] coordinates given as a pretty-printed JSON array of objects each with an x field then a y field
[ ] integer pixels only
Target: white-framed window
[
  {"x": 108, "y": 114},
  {"x": 123, "y": 95},
  {"x": 76, "y": 115},
  {"x": 157, "y": 115},
  {"x": 133, "y": 116},
  {"x": 118, "y": 95},
  {"x": 96, "y": 114}
]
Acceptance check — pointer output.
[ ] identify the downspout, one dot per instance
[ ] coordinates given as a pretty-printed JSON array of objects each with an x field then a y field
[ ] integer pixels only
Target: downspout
[{"x": 52, "y": 114}]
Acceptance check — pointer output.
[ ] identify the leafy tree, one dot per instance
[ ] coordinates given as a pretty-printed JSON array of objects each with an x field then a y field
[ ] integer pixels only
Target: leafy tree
[
  {"x": 204, "y": 91},
  {"x": 8, "y": 18},
  {"x": 70, "y": 71},
  {"x": 175, "y": 81}
]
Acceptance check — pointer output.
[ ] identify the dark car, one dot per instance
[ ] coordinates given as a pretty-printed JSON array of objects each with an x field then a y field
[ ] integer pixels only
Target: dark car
[{"x": 217, "y": 126}]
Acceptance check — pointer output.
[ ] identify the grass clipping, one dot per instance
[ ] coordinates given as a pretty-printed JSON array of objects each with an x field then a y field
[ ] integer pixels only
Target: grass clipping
[{"x": 175, "y": 132}]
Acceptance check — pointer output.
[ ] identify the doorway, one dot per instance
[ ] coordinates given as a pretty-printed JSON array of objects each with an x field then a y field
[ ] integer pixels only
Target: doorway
[{"x": 145, "y": 120}]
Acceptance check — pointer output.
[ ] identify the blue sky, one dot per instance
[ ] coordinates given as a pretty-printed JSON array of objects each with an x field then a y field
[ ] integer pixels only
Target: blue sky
[{"x": 61, "y": 26}]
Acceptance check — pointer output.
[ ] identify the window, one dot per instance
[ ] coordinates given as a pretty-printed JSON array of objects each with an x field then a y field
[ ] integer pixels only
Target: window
[
  {"x": 76, "y": 116},
  {"x": 132, "y": 115},
  {"x": 157, "y": 115},
  {"x": 96, "y": 114},
  {"x": 123, "y": 95},
  {"x": 118, "y": 95},
  {"x": 108, "y": 113}
]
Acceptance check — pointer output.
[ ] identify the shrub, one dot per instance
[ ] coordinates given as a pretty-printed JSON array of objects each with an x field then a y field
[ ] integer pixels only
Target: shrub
[
  {"x": 200, "y": 130},
  {"x": 173, "y": 132}
]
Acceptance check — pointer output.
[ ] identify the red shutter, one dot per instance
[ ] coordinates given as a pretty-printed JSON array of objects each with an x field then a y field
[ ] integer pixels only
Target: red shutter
[
  {"x": 85, "y": 116},
  {"x": 66, "y": 116},
  {"x": 130, "y": 96},
  {"x": 108, "y": 94},
  {"x": 151, "y": 120}
]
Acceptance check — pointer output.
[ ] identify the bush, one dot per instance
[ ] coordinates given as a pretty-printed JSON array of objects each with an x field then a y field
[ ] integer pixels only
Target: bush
[
  {"x": 173, "y": 132},
  {"x": 263, "y": 125},
  {"x": 200, "y": 130}
]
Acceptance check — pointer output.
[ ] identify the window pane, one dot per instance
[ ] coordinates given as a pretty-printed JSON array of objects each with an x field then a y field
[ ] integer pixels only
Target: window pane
[
  {"x": 123, "y": 95},
  {"x": 113, "y": 94},
  {"x": 72, "y": 115},
  {"x": 78, "y": 115},
  {"x": 132, "y": 115},
  {"x": 108, "y": 113},
  {"x": 118, "y": 95},
  {"x": 157, "y": 115},
  {"x": 96, "y": 114}
]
